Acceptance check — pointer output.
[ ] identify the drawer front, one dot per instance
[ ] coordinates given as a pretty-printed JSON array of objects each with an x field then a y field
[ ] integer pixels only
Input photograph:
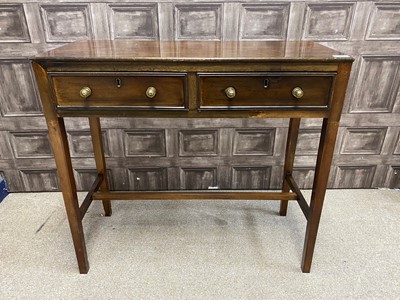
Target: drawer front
[
  {"x": 137, "y": 91},
  {"x": 265, "y": 90}
]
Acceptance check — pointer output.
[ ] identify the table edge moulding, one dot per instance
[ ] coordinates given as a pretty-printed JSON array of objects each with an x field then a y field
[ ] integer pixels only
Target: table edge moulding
[{"x": 192, "y": 79}]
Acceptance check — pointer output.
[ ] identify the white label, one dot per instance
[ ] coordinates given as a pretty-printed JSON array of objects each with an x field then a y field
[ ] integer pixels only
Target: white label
[{"x": 341, "y": 56}]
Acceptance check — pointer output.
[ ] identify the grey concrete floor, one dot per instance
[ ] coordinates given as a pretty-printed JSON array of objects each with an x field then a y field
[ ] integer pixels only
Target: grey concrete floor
[{"x": 202, "y": 249}]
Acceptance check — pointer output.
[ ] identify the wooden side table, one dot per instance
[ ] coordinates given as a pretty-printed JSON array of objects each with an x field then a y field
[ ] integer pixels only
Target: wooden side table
[{"x": 125, "y": 78}]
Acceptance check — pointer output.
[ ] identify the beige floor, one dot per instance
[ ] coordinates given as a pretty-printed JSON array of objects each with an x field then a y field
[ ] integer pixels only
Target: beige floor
[{"x": 202, "y": 250}]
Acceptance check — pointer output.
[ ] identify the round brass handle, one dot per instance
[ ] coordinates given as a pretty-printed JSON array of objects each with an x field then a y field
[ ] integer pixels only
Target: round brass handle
[
  {"x": 151, "y": 92},
  {"x": 230, "y": 92},
  {"x": 85, "y": 92},
  {"x": 297, "y": 92}
]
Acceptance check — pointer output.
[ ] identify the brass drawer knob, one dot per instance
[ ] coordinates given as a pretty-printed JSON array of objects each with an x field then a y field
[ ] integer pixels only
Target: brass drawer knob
[
  {"x": 230, "y": 92},
  {"x": 85, "y": 92},
  {"x": 151, "y": 92},
  {"x": 297, "y": 92}
]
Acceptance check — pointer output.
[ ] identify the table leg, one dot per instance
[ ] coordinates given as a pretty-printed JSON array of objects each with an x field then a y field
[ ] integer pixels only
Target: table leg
[
  {"x": 59, "y": 142},
  {"x": 293, "y": 133},
  {"x": 97, "y": 140},
  {"x": 324, "y": 159}
]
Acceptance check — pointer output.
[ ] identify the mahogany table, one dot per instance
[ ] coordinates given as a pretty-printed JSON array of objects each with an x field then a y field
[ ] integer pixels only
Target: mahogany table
[{"x": 189, "y": 79}]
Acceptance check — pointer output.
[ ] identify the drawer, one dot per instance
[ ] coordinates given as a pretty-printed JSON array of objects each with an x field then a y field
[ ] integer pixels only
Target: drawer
[
  {"x": 133, "y": 91},
  {"x": 264, "y": 90}
]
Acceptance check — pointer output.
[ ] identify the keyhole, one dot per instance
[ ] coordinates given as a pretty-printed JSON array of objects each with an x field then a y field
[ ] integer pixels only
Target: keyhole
[
  {"x": 119, "y": 82},
  {"x": 266, "y": 82}
]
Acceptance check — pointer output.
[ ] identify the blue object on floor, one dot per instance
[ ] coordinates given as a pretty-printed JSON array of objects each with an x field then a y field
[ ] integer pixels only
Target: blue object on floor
[{"x": 3, "y": 189}]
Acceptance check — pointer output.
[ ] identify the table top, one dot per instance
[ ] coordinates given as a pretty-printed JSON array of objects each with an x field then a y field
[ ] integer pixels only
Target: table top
[{"x": 134, "y": 50}]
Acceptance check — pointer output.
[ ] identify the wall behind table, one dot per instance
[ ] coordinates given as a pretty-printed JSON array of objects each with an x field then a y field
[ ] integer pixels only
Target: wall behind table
[{"x": 148, "y": 154}]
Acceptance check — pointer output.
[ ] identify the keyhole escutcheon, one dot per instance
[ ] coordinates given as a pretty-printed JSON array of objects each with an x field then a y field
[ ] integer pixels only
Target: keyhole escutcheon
[{"x": 119, "y": 82}]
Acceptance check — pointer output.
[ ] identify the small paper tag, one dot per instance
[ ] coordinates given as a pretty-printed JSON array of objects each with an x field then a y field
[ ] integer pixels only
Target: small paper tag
[
  {"x": 213, "y": 187},
  {"x": 341, "y": 56}
]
